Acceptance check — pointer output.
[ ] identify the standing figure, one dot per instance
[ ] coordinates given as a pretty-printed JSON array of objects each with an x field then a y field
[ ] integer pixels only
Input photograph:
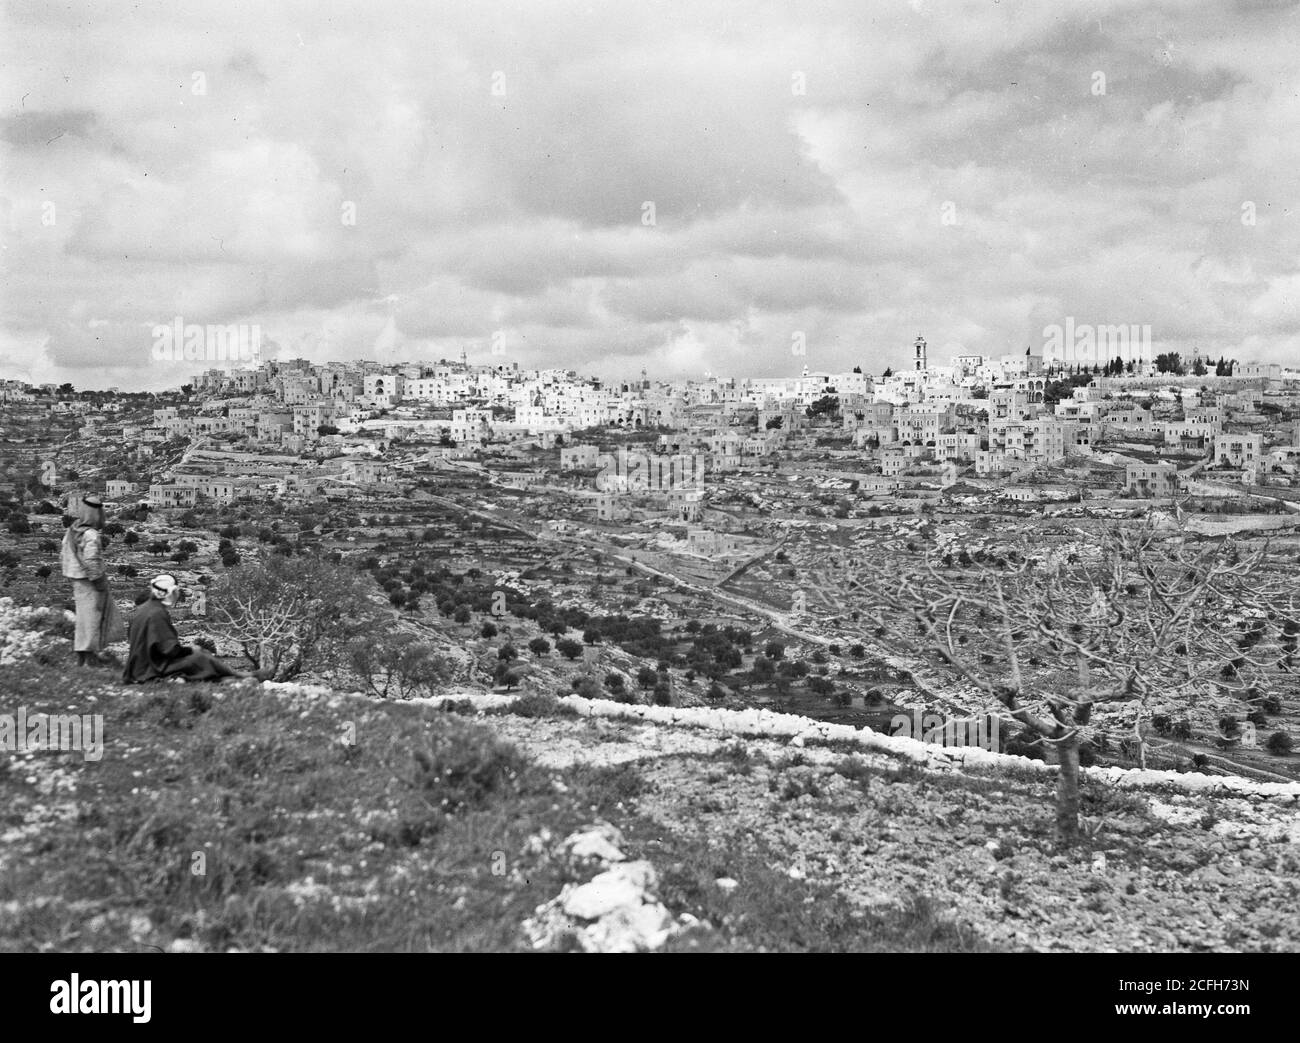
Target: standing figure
[{"x": 82, "y": 562}]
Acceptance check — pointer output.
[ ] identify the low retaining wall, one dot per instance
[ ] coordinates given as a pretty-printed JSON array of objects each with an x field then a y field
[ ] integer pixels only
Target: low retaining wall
[{"x": 766, "y": 724}]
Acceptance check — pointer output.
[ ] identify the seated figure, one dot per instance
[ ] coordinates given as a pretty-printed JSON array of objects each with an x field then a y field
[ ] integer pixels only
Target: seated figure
[{"x": 156, "y": 651}]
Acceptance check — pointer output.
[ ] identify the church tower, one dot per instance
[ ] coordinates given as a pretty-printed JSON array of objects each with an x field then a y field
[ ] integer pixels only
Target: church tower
[{"x": 920, "y": 353}]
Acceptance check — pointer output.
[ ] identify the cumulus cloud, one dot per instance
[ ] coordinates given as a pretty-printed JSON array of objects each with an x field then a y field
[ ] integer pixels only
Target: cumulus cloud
[{"x": 676, "y": 186}]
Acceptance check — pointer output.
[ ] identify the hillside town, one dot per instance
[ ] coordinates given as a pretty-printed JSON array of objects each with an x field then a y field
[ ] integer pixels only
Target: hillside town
[
  {"x": 975, "y": 430},
  {"x": 364, "y": 424},
  {"x": 756, "y": 504}
]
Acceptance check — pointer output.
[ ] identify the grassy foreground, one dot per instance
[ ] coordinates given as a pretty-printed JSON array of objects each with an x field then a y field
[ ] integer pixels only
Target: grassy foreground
[{"x": 236, "y": 818}]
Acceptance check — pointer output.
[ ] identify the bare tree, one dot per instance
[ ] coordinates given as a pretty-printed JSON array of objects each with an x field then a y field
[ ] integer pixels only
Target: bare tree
[
  {"x": 1135, "y": 615},
  {"x": 286, "y": 611}
]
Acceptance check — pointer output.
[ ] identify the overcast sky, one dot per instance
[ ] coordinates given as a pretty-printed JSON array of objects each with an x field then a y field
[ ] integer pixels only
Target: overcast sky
[{"x": 858, "y": 173}]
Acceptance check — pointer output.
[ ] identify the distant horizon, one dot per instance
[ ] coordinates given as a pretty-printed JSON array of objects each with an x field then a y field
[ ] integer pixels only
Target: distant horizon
[{"x": 203, "y": 367}]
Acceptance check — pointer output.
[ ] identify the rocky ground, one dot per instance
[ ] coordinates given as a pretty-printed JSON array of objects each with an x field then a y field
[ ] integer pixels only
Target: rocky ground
[{"x": 1160, "y": 873}]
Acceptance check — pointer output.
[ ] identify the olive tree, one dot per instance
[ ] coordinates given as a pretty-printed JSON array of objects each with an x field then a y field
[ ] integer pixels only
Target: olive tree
[
  {"x": 1135, "y": 615},
  {"x": 397, "y": 664}
]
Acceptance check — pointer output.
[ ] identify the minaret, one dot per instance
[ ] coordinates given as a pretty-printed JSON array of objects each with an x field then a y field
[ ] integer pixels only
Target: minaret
[{"x": 920, "y": 353}]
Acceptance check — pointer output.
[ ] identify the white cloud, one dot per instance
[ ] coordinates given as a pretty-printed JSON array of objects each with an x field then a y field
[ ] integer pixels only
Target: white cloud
[{"x": 798, "y": 160}]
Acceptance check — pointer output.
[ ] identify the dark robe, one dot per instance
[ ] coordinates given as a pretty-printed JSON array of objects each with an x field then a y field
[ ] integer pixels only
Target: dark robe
[{"x": 157, "y": 653}]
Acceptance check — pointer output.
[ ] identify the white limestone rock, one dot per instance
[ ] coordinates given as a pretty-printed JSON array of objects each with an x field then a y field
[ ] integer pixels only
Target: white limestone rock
[
  {"x": 623, "y": 885},
  {"x": 600, "y": 843}
]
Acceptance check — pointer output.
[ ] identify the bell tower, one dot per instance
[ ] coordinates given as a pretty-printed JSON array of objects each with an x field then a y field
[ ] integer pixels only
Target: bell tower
[{"x": 920, "y": 352}]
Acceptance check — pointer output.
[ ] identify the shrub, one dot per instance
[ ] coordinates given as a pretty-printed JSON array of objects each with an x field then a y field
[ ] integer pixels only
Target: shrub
[
  {"x": 507, "y": 652},
  {"x": 1181, "y": 730},
  {"x": 488, "y": 629},
  {"x": 462, "y": 772},
  {"x": 1279, "y": 743},
  {"x": 539, "y": 704},
  {"x": 1021, "y": 746}
]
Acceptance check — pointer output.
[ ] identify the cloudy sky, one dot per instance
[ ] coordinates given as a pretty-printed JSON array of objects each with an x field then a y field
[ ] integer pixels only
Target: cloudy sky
[{"x": 681, "y": 186}]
